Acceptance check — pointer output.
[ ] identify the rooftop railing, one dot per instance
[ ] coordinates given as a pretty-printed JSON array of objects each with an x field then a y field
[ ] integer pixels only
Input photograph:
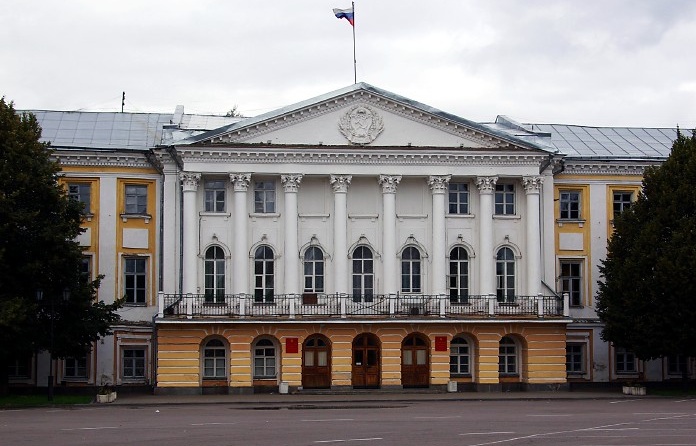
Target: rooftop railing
[{"x": 344, "y": 306}]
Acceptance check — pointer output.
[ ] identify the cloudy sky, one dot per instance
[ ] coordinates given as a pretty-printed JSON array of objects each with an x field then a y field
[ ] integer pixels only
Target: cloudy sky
[{"x": 589, "y": 62}]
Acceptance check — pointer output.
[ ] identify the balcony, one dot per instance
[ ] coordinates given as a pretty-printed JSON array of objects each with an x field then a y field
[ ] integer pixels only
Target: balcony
[{"x": 341, "y": 306}]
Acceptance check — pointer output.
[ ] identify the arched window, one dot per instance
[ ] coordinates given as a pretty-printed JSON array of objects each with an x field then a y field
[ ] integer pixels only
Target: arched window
[
  {"x": 265, "y": 359},
  {"x": 505, "y": 272},
  {"x": 214, "y": 274},
  {"x": 410, "y": 270},
  {"x": 313, "y": 270},
  {"x": 460, "y": 357},
  {"x": 507, "y": 356},
  {"x": 458, "y": 278},
  {"x": 363, "y": 274},
  {"x": 214, "y": 360},
  {"x": 263, "y": 274}
]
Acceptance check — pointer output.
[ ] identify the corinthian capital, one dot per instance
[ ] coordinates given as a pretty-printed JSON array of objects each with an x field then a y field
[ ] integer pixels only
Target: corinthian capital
[
  {"x": 439, "y": 183},
  {"x": 532, "y": 185},
  {"x": 291, "y": 182},
  {"x": 389, "y": 183},
  {"x": 486, "y": 184},
  {"x": 240, "y": 181},
  {"x": 340, "y": 183},
  {"x": 190, "y": 181}
]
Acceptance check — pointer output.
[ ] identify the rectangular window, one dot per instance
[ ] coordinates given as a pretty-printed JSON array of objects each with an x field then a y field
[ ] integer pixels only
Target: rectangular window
[
  {"x": 575, "y": 359},
  {"x": 504, "y": 199},
  {"x": 81, "y": 192},
  {"x": 625, "y": 361},
  {"x": 86, "y": 267},
  {"x": 264, "y": 197},
  {"x": 75, "y": 368},
  {"x": 215, "y": 196},
  {"x": 570, "y": 205},
  {"x": 622, "y": 201},
  {"x": 133, "y": 363},
  {"x": 676, "y": 365},
  {"x": 18, "y": 368},
  {"x": 136, "y": 199},
  {"x": 571, "y": 281},
  {"x": 458, "y": 198},
  {"x": 135, "y": 275}
]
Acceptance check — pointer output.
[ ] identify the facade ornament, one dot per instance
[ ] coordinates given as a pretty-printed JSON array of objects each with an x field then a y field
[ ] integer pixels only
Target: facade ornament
[
  {"x": 240, "y": 181},
  {"x": 532, "y": 185},
  {"x": 439, "y": 184},
  {"x": 340, "y": 183},
  {"x": 389, "y": 183},
  {"x": 291, "y": 182},
  {"x": 486, "y": 184},
  {"x": 190, "y": 181},
  {"x": 361, "y": 125}
]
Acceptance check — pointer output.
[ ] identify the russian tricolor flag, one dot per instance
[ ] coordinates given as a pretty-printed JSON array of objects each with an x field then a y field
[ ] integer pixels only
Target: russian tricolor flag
[{"x": 345, "y": 14}]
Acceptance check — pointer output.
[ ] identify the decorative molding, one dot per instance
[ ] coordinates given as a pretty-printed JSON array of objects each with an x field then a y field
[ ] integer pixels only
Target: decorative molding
[
  {"x": 190, "y": 181},
  {"x": 361, "y": 125},
  {"x": 340, "y": 183},
  {"x": 439, "y": 184},
  {"x": 389, "y": 183},
  {"x": 532, "y": 185},
  {"x": 291, "y": 182},
  {"x": 110, "y": 159},
  {"x": 240, "y": 181},
  {"x": 486, "y": 184},
  {"x": 607, "y": 169}
]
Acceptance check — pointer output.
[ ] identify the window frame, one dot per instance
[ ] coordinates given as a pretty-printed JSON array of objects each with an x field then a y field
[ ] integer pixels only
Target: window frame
[
  {"x": 215, "y": 352},
  {"x": 314, "y": 270},
  {"x": 260, "y": 354},
  {"x": 76, "y": 365},
  {"x": 570, "y": 208},
  {"x": 458, "y": 293},
  {"x": 264, "y": 274},
  {"x": 265, "y": 197},
  {"x": 508, "y": 357},
  {"x": 570, "y": 283},
  {"x": 504, "y": 201},
  {"x": 135, "y": 199},
  {"x": 576, "y": 360},
  {"x": 133, "y": 363},
  {"x": 622, "y": 204},
  {"x": 457, "y": 369},
  {"x": 362, "y": 282},
  {"x": 458, "y": 198},
  {"x": 141, "y": 292},
  {"x": 622, "y": 358},
  {"x": 80, "y": 194},
  {"x": 506, "y": 272},
  {"x": 215, "y": 195},
  {"x": 411, "y": 271},
  {"x": 214, "y": 279}
]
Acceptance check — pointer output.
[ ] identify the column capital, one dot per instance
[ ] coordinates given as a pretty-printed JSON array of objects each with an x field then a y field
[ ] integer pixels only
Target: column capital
[
  {"x": 389, "y": 183},
  {"x": 532, "y": 185},
  {"x": 439, "y": 183},
  {"x": 340, "y": 183},
  {"x": 240, "y": 181},
  {"x": 291, "y": 182},
  {"x": 486, "y": 184},
  {"x": 190, "y": 181}
]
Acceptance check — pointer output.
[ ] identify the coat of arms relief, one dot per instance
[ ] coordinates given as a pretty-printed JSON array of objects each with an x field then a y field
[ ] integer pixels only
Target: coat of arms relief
[{"x": 361, "y": 125}]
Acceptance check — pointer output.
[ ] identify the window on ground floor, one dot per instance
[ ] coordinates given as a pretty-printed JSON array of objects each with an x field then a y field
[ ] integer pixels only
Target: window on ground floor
[
  {"x": 575, "y": 359},
  {"x": 265, "y": 359},
  {"x": 214, "y": 360},
  {"x": 507, "y": 357},
  {"x": 625, "y": 361},
  {"x": 75, "y": 368},
  {"x": 133, "y": 362},
  {"x": 460, "y": 357}
]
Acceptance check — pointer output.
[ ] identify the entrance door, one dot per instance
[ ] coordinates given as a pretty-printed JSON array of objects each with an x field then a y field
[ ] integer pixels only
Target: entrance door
[
  {"x": 415, "y": 361},
  {"x": 366, "y": 357},
  {"x": 316, "y": 363}
]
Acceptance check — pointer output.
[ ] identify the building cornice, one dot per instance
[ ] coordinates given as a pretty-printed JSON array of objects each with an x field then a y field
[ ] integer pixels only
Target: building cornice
[
  {"x": 584, "y": 167},
  {"x": 98, "y": 159}
]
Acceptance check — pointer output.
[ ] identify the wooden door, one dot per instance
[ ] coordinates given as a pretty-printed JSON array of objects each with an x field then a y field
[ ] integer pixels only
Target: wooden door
[
  {"x": 366, "y": 361},
  {"x": 415, "y": 361},
  {"x": 316, "y": 363}
]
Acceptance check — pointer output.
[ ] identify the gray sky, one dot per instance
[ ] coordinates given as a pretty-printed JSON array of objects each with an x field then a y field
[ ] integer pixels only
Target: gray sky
[{"x": 589, "y": 62}]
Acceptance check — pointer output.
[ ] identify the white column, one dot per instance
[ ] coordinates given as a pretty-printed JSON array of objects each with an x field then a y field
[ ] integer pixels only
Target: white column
[
  {"x": 340, "y": 184},
  {"x": 240, "y": 254},
  {"x": 438, "y": 187},
  {"x": 532, "y": 186},
  {"x": 390, "y": 276},
  {"x": 291, "y": 183},
  {"x": 486, "y": 186},
  {"x": 189, "y": 182}
]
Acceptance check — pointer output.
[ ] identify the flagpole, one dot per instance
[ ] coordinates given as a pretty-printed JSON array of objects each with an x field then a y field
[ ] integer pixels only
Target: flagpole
[{"x": 355, "y": 61}]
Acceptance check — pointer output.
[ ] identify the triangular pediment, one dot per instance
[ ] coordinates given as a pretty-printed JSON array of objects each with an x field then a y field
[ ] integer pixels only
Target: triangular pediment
[{"x": 362, "y": 116}]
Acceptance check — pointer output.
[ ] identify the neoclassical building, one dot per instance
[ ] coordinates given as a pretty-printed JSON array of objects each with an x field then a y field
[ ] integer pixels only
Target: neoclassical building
[{"x": 358, "y": 239}]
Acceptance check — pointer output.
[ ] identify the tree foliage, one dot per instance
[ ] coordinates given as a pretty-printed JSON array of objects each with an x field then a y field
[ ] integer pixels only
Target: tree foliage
[
  {"x": 647, "y": 298},
  {"x": 38, "y": 227}
]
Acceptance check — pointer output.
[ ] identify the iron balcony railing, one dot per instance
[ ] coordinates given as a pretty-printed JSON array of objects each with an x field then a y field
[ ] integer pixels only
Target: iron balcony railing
[{"x": 344, "y": 306}]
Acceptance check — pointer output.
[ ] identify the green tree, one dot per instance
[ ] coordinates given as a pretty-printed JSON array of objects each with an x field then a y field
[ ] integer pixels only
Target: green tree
[
  {"x": 38, "y": 227},
  {"x": 647, "y": 298}
]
